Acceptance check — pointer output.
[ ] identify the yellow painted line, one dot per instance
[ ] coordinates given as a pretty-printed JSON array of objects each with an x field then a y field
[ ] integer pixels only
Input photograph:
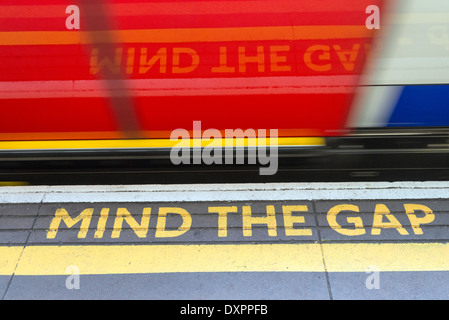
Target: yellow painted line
[
  {"x": 358, "y": 257},
  {"x": 51, "y": 260},
  {"x": 9, "y": 257},
  {"x": 152, "y": 143},
  {"x": 182, "y": 35},
  {"x": 135, "y": 259},
  {"x": 13, "y": 183}
]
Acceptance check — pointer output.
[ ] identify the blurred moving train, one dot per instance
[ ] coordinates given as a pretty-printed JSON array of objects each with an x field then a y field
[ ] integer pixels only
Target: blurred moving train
[{"x": 85, "y": 76}]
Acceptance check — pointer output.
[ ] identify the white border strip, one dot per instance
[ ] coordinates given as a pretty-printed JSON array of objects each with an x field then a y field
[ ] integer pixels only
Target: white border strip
[{"x": 231, "y": 192}]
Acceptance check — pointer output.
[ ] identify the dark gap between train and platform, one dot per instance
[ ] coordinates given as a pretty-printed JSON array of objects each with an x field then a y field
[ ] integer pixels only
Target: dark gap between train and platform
[{"x": 367, "y": 155}]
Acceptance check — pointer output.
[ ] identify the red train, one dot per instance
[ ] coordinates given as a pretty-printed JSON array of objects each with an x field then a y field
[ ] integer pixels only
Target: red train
[{"x": 125, "y": 74}]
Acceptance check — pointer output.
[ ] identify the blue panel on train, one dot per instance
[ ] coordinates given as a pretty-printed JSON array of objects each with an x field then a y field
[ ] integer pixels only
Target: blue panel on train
[{"x": 424, "y": 106}]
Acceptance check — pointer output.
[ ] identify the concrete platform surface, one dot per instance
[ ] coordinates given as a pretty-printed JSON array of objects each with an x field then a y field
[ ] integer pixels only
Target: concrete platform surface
[{"x": 232, "y": 242}]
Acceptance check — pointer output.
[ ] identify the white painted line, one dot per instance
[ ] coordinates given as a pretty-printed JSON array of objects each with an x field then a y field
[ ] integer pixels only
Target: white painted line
[
  {"x": 19, "y": 197},
  {"x": 222, "y": 192}
]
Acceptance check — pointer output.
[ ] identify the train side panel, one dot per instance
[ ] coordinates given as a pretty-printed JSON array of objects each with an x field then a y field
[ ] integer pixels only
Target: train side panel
[
  {"x": 406, "y": 83},
  {"x": 143, "y": 69}
]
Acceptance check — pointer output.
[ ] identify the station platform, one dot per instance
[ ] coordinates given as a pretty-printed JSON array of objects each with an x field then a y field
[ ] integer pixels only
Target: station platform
[{"x": 279, "y": 241}]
